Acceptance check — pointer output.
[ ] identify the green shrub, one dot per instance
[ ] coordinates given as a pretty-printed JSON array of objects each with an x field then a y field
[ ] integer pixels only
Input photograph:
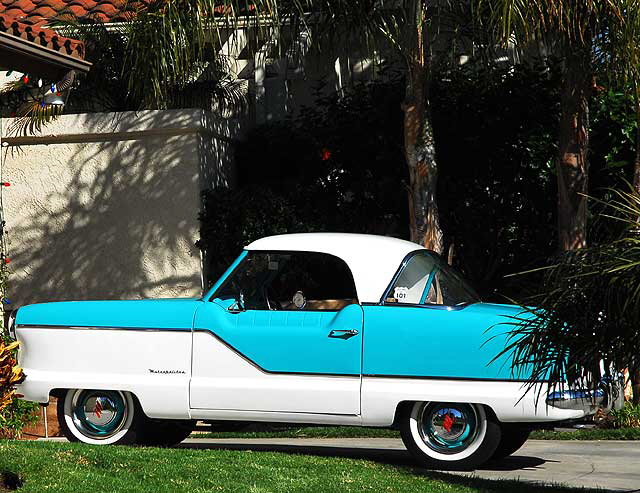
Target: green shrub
[
  {"x": 16, "y": 416},
  {"x": 627, "y": 417}
]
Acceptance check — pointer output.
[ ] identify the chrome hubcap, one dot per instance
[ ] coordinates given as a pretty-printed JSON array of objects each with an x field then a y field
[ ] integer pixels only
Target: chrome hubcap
[
  {"x": 448, "y": 428},
  {"x": 99, "y": 413}
]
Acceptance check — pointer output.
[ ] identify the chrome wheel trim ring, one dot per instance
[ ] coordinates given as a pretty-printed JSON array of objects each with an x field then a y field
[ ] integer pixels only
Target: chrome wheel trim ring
[
  {"x": 99, "y": 414},
  {"x": 448, "y": 428}
]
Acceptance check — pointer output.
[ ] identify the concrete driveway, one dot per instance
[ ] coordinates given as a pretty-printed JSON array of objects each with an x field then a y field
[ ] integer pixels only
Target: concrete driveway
[{"x": 610, "y": 465}]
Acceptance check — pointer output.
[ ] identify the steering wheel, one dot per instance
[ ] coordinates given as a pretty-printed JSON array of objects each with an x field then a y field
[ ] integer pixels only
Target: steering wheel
[{"x": 271, "y": 304}]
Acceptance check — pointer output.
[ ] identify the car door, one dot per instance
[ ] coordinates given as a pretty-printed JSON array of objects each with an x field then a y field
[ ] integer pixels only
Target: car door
[{"x": 283, "y": 333}]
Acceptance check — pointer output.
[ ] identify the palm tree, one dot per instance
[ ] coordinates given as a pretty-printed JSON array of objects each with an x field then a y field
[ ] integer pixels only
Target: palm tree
[
  {"x": 622, "y": 67},
  {"x": 170, "y": 51},
  {"x": 578, "y": 32},
  {"x": 588, "y": 309}
]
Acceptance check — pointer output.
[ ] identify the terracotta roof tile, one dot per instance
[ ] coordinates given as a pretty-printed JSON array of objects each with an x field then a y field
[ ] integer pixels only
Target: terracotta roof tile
[
  {"x": 42, "y": 36},
  {"x": 37, "y": 12}
]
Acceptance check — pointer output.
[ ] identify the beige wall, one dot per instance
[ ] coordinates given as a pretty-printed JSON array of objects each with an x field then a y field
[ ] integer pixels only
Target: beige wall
[{"x": 105, "y": 206}]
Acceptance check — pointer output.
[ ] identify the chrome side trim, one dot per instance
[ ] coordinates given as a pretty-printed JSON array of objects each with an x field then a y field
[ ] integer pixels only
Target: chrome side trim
[{"x": 88, "y": 327}]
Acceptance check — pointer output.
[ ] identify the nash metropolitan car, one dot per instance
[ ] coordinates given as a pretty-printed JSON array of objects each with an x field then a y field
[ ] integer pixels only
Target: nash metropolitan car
[{"x": 317, "y": 328}]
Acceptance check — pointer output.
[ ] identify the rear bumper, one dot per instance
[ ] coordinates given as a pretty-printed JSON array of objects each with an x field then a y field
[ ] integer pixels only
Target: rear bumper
[{"x": 609, "y": 395}]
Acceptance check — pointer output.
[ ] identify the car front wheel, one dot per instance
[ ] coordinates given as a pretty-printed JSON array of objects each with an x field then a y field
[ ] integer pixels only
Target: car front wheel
[
  {"x": 445, "y": 435},
  {"x": 99, "y": 417}
]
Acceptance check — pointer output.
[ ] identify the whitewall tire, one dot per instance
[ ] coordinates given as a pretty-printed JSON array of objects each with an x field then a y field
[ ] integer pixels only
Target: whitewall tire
[
  {"x": 99, "y": 417},
  {"x": 446, "y": 435}
]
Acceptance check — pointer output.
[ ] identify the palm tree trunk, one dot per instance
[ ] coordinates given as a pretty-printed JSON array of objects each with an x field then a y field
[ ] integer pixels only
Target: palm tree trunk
[
  {"x": 420, "y": 153},
  {"x": 572, "y": 164},
  {"x": 419, "y": 146}
]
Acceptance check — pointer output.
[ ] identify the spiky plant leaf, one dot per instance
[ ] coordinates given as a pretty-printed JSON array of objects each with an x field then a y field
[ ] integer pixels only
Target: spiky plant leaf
[{"x": 588, "y": 311}]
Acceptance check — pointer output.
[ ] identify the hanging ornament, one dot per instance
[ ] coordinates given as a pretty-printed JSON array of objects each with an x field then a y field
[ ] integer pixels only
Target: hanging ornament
[
  {"x": 6, "y": 184},
  {"x": 25, "y": 79},
  {"x": 42, "y": 104},
  {"x": 7, "y": 260},
  {"x": 39, "y": 82},
  {"x": 53, "y": 87},
  {"x": 6, "y": 301}
]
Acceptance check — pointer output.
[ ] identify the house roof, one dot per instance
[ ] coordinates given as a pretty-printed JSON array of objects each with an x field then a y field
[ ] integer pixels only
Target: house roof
[
  {"x": 373, "y": 260},
  {"x": 42, "y": 36},
  {"x": 39, "y": 12}
]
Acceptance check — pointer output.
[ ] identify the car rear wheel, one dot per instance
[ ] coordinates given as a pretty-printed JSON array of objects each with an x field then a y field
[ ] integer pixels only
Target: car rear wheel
[
  {"x": 445, "y": 435},
  {"x": 511, "y": 440},
  {"x": 99, "y": 417}
]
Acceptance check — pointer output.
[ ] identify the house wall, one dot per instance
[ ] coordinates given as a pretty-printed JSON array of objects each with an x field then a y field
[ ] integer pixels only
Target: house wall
[{"x": 105, "y": 206}]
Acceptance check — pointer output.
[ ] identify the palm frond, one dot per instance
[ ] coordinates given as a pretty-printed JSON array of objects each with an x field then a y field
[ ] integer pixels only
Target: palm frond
[{"x": 588, "y": 310}]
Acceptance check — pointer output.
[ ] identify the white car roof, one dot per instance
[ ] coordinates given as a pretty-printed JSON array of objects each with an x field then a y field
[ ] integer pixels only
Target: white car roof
[{"x": 373, "y": 260}]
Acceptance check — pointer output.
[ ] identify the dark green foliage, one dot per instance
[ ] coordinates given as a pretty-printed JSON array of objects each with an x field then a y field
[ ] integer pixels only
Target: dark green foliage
[
  {"x": 493, "y": 133},
  {"x": 494, "y": 130},
  {"x": 16, "y": 416},
  {"x": 627, "y": 417},
  {"x": 612, "y": 142},
  {"x": 338, "y": 167},
  {"x": 588, "y": 306}
]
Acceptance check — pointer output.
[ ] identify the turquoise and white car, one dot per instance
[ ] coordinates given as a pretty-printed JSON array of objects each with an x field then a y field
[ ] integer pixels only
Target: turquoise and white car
[{"x": 320, "y": 328}]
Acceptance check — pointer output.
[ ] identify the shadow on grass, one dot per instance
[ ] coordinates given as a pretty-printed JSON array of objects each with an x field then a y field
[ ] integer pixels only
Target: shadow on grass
[
  {"x": 382, "y": 455},
  {"x": 402, "y": 459}
]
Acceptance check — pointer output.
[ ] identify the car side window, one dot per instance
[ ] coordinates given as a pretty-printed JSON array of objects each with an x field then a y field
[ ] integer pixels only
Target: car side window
[
  {"x": 415, "y": 283},
  {"x": 290, "y": 281},
  {"x": 426, "y": 280}
]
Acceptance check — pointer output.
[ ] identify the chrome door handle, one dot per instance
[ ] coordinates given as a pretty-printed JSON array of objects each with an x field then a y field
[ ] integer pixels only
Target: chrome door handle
[{"x": 344, "y": 333}]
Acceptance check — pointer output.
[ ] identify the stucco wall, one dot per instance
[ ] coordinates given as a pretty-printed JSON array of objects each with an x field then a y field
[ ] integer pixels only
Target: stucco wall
[{"x": 105, "y": 206}]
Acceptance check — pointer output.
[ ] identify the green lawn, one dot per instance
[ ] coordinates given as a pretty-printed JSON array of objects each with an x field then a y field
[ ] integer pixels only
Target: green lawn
[{"x": 70, "y": 468}]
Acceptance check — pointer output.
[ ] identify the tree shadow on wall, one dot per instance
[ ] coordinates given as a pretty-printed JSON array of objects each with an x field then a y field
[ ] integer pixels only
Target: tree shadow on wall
[{"x": 120, "y": 218}]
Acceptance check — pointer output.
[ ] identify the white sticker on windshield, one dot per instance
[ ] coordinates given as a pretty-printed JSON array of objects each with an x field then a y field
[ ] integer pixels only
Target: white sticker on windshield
[{"x": 401, "y": 293}]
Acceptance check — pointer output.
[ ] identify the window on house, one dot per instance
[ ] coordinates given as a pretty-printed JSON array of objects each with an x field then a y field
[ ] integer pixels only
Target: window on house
[{"x": 290, "y": 281}]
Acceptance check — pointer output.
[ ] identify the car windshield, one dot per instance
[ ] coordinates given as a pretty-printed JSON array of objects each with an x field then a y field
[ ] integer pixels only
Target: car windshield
[{"x": 426, "y": 280}]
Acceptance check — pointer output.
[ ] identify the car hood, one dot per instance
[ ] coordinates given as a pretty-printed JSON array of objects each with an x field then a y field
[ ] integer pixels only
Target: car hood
[{"x": 148, "y": 314}]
